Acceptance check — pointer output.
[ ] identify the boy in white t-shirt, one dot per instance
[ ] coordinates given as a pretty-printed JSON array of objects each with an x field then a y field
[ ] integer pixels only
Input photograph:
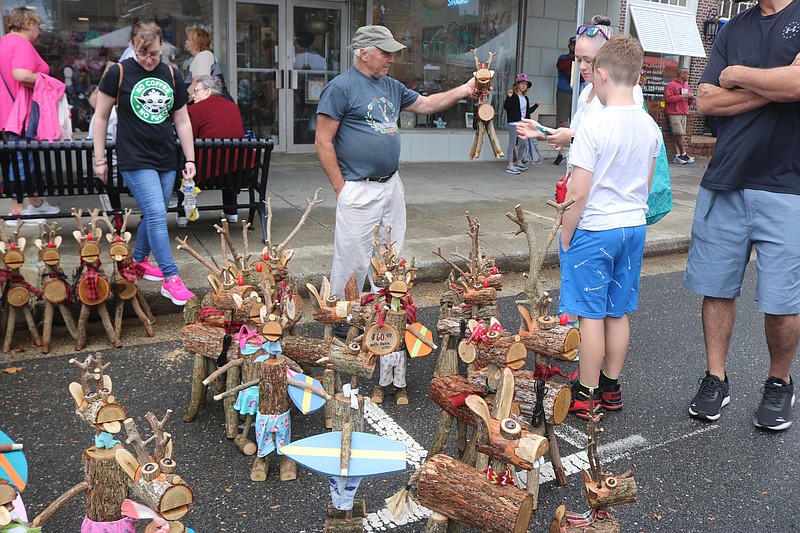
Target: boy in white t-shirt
[{"x": 602, "y": 238}]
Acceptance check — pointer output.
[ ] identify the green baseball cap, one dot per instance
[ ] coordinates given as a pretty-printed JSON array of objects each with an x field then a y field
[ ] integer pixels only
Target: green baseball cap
[{"x": 379, "y": 36}]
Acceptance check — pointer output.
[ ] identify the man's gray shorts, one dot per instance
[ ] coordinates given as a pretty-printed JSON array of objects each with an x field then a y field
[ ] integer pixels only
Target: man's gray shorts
[{"x": 727, "y": 226}]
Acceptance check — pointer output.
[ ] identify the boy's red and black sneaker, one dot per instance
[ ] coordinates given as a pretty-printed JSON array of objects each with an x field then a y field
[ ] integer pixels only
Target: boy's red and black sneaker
[
  {"x": 580, "y": 403},
  {"x": 612, "y": 400}
]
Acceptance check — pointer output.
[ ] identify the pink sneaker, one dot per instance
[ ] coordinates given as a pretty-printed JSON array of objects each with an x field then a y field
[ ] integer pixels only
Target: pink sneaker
[
  {"x": 174, "y": 289},
  {"x": 151, "y": 272}
]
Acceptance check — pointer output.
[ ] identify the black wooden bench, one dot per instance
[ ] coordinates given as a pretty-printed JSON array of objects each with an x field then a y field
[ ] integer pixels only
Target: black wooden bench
[{"x": 65, "y": 168}]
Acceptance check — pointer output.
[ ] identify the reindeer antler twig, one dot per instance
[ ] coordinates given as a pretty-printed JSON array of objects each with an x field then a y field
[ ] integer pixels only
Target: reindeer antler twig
[
  {"x": 489, "y": 62},
  {"x": 78, "y": 214},
  {"x": 135, "y": 440},
  {"x": 311, "y": 203},
  {"x": 455, "y": 267},
  {"x": 224, "y": 231},
  {"x": 84, "y": 368},
  {"x": 183, "y": 245},
  {"x": 477, "y": 61},
  {"x": 161, "y": 436},
  {"x": 99, "y": 371}
]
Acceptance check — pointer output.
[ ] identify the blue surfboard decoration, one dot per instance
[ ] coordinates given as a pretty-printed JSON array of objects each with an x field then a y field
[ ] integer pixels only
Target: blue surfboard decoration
[
  {"x": 370, "y": 455},
  {"x": 305, "y": 400},
  {"x": 13, "y": 465}
]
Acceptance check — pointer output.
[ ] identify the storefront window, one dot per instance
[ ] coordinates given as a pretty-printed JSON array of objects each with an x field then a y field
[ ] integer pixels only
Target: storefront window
[
  {"x": 79, "y": 36},
  {"x": 440, "y": 36}
]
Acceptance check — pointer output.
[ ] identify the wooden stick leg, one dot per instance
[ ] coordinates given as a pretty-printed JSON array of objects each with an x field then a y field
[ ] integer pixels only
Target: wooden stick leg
[
  {"x": 137, "y": 308},
  {"x": 37, "y": 341},
  {"x": 119, "y": 309},
  {"x": 146, "y": 307},
  {"x": 494, "y": 141},
  {"x": 106, "y": 319},
  {"x": 242, "y": 440},
  {"x": 555, "y": 455},
  {"x": 11, "y": 319},
  {"x": 532, "y": 485},
  {"x": 83, "y": 322},
  {"x": 47, "y": 326},
  {"x": 260, "y": 469},
  {"x": 231, "y": 415},
  {"x": 461, "y": 437},
  {"x": 198, "y": 389},
  {"x": 69, "y": 321}
]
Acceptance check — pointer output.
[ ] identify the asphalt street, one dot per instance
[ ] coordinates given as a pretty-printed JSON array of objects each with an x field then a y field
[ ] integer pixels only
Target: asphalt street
[{"x": 692, "y": 476}]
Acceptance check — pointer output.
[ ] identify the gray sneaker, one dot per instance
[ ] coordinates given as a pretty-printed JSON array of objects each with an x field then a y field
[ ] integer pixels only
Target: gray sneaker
[
  {"x": 712, "y": 396},
  {"x": 775, "y": 411}
]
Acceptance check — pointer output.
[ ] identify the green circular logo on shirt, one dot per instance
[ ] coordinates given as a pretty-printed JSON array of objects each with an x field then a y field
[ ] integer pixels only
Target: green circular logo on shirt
[{"x": 152, "y": 99}]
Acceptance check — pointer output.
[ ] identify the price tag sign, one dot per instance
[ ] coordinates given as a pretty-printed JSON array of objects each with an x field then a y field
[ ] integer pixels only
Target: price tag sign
[{"x": 381, "y": 340}]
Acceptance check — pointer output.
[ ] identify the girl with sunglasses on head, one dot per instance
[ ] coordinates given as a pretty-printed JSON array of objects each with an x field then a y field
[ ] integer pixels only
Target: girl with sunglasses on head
[
  {"x": 589, "y": 40},
  {"x": 151, "y": 100}
]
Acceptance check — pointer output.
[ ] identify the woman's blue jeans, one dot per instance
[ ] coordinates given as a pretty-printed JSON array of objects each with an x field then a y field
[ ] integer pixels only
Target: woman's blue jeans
[{"x": 152, "y": 190}]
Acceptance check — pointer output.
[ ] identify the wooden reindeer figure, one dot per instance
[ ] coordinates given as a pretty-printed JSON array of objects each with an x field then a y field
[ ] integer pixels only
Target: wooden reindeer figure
[
  {"x": 127, "y": 274},
  {"x": 485, "y": 111},
  {"x": 56, "y": 289},
  {"x": 96, "y": 406},
  {"x": 16, "y": 292},
  {"x": 165, "y": 497},
  {"x": 92, "y": 284}
]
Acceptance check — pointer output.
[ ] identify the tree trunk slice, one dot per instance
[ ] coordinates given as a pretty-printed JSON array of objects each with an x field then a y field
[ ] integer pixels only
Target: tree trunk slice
[
  {"x": 260, "y": 469},
  {"x": 343, "y": 413},
  {"x": 107, "y": 481},
  {"x": 463, "y": 494},
  {"x": 272, "y": 396},
  {"x": 288, "y": 469},
  {"x": 18, "y": 296},
  {"x": 624, "y": 492},
  {"x": 559, "y": 342},
  {"x": 507, "y": 351},
  {"x": 55, "y": 291},
  {"x": 437, "y": 523}
]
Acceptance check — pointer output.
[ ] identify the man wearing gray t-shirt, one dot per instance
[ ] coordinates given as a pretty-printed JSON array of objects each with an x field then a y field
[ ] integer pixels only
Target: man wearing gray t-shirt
[{"x": 358, "y": 143}]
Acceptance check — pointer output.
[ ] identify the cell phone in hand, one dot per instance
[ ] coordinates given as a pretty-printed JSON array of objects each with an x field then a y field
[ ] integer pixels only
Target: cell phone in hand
[{"x": 544, "y": 130}]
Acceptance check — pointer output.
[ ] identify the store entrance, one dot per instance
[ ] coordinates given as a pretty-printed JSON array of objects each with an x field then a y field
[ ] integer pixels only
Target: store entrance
[{"x": 285, "y": 53}]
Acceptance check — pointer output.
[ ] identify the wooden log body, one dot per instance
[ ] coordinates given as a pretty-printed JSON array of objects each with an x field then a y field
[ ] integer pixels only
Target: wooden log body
[
  {"x": 166, "y": 494},
  {"x": 480, "y": 297},
  {"x": 223, "y": 298},
  {"x": 344, "y": 413},
  {"x": 609, "y": 525},
  {"x": 398, "y": 319},
  {"x": 353, "y": 364},
  {"x": 521, "y": 452},
  {"x": 614, "y": 490},
  {"x": 485, "y": 312},
  {"x": 558, "y": 342},
  {"x": 494, "y": 281},
  {"x": 108, "y": 484},
  {"x": 443, "y": 388},
  {"x": 204, "y": 339},
  {"x": 99, "y": 411},
  {"x": 507, "y": 350},
  {"x": 449, "y": 326},
  {"x": 272, "y": 396},
  {"x": 557, "y": 396},
  {"x": 305, "y": 351},
  {"x": 463, "y": 494}
]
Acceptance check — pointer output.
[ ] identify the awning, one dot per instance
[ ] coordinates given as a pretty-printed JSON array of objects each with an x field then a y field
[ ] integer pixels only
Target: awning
[{"x": 667, "y": 31}]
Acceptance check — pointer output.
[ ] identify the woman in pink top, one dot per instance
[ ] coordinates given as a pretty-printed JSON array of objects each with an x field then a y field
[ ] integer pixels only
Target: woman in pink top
[{"x": 19, "y": 65}]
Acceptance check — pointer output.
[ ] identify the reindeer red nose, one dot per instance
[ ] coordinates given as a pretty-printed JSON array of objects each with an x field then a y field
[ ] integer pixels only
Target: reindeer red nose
[
  {"x": 266, "y": 256},
  {"x": 12, "y": 246},
  {"x": 50, "y": 244},
  {"x": 494, "y": 270},
  {"x": 240, "y": 281},
  {"x": 402, "y": 262},
  {"x": 259, "y": 266},
  {"x": 89, "y": 237},
  {"x": 119, "y": 239},
  {"x": 485, "y": 283}
]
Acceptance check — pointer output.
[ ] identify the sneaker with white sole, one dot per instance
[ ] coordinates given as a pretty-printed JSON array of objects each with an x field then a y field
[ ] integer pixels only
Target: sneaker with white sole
[
  {"x": 151, "y": 272},
  {"x": 174, "y": 289},
  {"x": 512, "y": 170},
  {"x": 232, "y": 219},
  {"x": 712, "y": 396},
  {"x": 12, "y": 222},
  {"x": 775, "y": 410},
  {"x": 42, "y": 209},
  {"x": 689, "y": 159},
  {"x": 520, "y": 166},
  {"x": 679, "y": 160}
]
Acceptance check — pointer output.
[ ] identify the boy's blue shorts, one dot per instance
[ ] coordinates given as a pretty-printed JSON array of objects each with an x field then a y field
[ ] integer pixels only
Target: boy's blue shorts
[{"x": 600, "y": 272}]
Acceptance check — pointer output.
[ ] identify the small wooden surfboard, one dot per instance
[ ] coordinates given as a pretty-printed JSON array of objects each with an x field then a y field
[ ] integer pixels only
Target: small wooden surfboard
[{"x": 305, "y": 400}]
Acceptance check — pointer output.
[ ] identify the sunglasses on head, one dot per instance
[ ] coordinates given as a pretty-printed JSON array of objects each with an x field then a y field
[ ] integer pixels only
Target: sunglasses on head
[{"x": 591, "y": 31}]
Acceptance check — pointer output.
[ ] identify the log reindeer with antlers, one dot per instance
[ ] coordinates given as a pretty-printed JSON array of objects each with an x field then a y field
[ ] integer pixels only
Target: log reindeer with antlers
[
  {"x": 485, "y": 110},
  {"x": 16, "y": 291},
  {"x": 56, "y": 289},
  {"x": 127, "y": 273},
  {"x": 165, "y": 497},
  {"x": 92, "y": 284}
]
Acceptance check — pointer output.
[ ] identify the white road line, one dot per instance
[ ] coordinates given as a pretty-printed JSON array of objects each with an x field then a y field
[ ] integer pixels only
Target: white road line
[{"x": 571, "y": 435}]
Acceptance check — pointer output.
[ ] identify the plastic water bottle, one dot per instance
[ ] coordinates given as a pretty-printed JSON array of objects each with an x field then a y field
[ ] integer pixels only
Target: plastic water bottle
[{"x": 189, "y": 200}]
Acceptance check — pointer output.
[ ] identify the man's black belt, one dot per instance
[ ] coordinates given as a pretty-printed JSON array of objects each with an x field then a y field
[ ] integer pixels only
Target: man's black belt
[{"x": 381, "y": 179}]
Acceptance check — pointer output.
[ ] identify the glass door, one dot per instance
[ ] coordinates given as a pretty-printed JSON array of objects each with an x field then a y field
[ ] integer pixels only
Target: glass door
[{"x": 285, "y": 53}]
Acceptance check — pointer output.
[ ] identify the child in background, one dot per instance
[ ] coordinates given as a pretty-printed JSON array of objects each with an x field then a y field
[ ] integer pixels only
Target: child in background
[
  {"x": 603, "y": 233},
  {"x": 518, "y": 107}
]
